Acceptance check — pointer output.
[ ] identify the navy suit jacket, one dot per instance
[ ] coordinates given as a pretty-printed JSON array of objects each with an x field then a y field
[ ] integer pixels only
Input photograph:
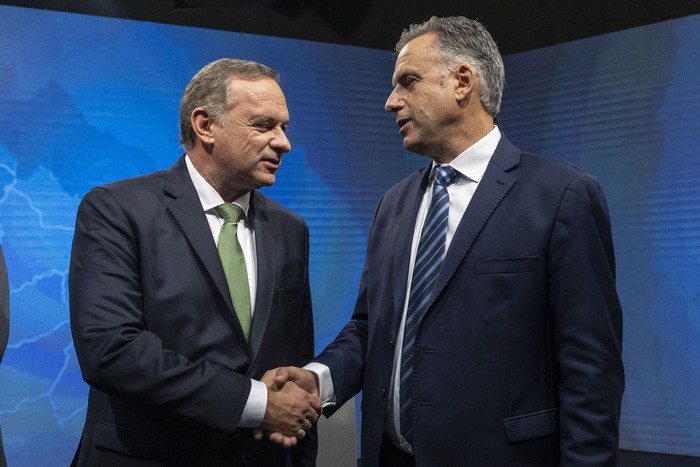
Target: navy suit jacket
[
  {"x": 518, "y": 358},
  {"x": 156, "y": 334}
]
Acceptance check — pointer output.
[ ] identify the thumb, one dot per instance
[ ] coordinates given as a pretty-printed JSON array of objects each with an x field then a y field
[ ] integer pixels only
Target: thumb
[{"x": 281, "y": 376}]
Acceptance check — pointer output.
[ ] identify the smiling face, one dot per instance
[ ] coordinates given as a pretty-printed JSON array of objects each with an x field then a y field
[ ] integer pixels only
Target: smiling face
[{"x": 245, "y": 150}]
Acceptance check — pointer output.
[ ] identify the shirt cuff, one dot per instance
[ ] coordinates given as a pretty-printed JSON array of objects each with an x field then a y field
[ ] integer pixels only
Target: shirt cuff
[
  {"x": 255, "y": 406},
  {"x": 325, "y": 383}
]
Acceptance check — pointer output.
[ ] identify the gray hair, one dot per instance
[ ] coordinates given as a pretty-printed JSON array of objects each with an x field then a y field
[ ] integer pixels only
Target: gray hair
[
  {"x": 209, "y": 89},
  {"x": 462, "y": 40}
]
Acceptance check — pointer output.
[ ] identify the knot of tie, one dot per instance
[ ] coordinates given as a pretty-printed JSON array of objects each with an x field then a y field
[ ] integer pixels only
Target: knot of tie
[
  {"x": 445, "y": 175},
  {"x": 230, "y": 212}
]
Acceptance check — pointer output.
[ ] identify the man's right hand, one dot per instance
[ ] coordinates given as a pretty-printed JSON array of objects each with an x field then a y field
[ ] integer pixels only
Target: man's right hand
[
  {"x": 305, "y": 379},
  {"x": 293, "y": 405}
]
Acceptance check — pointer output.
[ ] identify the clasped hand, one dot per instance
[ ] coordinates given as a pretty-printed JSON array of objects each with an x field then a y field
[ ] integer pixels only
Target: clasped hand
[{"x": 293, "y": 405}]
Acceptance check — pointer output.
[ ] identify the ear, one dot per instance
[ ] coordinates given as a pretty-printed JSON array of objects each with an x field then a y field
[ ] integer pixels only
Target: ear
[
  {"x": 466, "y": 82},
  {"x": 201, "y": 125}
]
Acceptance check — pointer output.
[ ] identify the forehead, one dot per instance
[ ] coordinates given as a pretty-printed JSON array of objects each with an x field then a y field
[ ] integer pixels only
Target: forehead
[
  {"x": 257, "y": 93},
  {"x": 418, "y": 55}
]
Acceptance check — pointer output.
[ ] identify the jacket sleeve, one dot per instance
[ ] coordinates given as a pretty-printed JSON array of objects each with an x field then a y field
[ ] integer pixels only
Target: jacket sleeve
[{"x": 588, "y": 326}]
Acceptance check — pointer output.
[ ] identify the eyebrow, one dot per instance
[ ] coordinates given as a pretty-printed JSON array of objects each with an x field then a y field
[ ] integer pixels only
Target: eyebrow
[{"x": 262, "y": 119}]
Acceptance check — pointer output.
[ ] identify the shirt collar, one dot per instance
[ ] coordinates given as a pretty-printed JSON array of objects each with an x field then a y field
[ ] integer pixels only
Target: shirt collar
[
  {"x": 208, "y": 196},
  {"x": 473, "y": 161}
]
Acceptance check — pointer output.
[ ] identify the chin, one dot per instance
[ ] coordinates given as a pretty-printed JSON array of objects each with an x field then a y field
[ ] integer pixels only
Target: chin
[
  {"x": 412, "y": 147},
  {"x": 267, "y": 181}
]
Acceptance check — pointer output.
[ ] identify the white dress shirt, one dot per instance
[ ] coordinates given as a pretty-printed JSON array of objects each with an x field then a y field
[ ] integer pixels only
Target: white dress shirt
[{"x": 254, "y": 410}]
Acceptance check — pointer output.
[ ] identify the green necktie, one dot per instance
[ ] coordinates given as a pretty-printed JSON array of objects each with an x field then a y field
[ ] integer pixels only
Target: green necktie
[{"x": 233, "y": 261}]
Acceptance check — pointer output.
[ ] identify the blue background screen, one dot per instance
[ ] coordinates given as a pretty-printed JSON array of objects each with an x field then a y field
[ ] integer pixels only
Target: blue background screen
[{"x": 88, "y": 100}]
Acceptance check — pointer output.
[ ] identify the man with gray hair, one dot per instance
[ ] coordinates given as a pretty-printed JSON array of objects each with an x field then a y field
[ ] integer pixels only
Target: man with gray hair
[
  {"x": 186, "y": 285},
  {"x": 487, "y": 330}
]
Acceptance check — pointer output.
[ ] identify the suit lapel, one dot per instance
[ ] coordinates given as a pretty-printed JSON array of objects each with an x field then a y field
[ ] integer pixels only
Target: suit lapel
[
  {"x": 266, "y": 251},
  {"x": 492, "y": 188},
  {"x": 186, "y": 209}
]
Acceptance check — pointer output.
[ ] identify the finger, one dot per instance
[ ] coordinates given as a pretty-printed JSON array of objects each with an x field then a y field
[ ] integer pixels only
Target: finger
[
  {"x": 316, "y": 405},
  {"x": 306, "y": 425},
  {"x": 272, "y": 381},
  {"x": 311, "y": 417},
  {"x": 312, "y": 414},
  {"x": 286, "y": 441},
  {"x": 258, "y": 434}
]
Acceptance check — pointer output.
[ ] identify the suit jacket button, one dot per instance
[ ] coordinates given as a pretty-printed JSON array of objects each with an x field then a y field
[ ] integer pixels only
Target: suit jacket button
[{"x": 383, "y": 393}]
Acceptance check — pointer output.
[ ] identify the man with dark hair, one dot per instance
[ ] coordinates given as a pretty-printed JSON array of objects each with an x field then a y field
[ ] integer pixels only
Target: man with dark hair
[
  {"x": 487, "y": 329},
  {"x": 186, "y": 285}
]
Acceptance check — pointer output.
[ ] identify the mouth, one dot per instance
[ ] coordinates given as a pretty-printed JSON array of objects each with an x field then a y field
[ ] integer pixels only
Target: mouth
[
  {"x": 271, "y": 164},
  {"x": 401, "y": 122}
]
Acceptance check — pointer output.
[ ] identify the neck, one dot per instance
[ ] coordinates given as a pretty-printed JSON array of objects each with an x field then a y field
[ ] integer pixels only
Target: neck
[
  {"x": 465, "y": 138},
  {"x": 201, "y": 160}
]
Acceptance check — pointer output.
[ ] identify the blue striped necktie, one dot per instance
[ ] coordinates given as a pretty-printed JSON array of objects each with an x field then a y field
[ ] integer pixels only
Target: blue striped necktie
[{"x": 431, "y": 251}]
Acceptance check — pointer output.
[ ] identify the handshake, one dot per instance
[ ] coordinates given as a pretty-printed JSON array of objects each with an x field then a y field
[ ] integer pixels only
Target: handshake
[{"x": 293, "y": 405}]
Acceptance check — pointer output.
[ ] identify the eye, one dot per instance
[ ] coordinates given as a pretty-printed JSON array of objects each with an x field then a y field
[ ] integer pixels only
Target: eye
[
  {"x": 266, "y": 125},
  {"x": 407, "y": 81},
  {"x": 263, "y": 126}
]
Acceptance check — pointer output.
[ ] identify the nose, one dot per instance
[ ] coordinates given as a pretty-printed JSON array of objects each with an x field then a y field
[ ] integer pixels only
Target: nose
[
  {"x": 281, "y": 142},
  {"x": 393, "y": 102}
]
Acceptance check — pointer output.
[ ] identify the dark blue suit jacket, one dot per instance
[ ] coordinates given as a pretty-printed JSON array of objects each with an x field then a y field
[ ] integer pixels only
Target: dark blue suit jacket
[
  {"x": 518, "y": 358},
  {"x": 156, "y": 334}
]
